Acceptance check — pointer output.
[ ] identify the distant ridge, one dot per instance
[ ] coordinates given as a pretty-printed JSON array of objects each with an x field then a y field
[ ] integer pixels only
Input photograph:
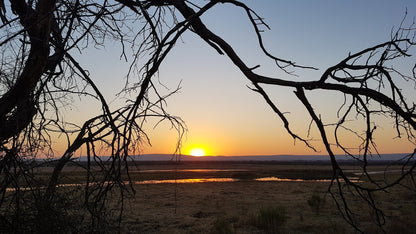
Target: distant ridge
[{"x": 288, "y": 158}]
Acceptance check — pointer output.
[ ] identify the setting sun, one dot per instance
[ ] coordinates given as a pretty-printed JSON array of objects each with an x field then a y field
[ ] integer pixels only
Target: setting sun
[{"x": 197, "y": 152}]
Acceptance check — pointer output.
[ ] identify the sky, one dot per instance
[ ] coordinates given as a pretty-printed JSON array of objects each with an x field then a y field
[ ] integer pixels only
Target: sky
[{"x": 223, "y": 116}]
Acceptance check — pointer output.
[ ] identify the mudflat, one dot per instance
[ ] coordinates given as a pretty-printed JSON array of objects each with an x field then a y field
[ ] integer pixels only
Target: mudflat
[
  {"x": 302, "y": 206},
  {"x": 258, "y": 197}
]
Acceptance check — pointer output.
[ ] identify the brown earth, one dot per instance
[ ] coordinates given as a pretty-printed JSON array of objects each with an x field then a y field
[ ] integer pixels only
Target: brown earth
[{"x": 236, "y": 207}]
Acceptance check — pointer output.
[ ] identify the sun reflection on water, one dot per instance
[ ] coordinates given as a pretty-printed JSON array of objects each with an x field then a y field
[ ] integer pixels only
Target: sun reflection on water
[
  {"x": 200, "y": 180},
  {"x": 186, "y": 181}
]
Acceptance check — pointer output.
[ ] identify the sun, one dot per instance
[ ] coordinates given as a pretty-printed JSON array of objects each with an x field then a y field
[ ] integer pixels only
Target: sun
[{"x": 197, "y": 152}]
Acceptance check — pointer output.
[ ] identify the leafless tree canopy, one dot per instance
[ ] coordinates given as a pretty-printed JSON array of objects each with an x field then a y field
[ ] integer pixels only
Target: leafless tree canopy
[{"x": 39, "y": 73}]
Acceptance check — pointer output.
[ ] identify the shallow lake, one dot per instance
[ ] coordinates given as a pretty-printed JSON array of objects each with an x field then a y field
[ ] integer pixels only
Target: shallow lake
[{"x": 211, "y": 180}]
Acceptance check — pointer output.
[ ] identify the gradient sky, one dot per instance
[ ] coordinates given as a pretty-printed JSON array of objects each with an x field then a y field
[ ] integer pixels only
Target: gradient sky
[{"x": 225, "y": 117}]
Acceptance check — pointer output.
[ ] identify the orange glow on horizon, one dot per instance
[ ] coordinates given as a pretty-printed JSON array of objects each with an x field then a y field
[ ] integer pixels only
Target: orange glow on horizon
[{"x": 197, "y": 152}]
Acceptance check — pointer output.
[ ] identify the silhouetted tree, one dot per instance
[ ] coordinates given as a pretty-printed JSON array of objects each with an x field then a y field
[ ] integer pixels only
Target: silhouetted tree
[{"x": 39, "y": 74}]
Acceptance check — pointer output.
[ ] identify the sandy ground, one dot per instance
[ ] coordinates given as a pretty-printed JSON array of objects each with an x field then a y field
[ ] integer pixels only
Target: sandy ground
[{"x": 233, "y": 207}]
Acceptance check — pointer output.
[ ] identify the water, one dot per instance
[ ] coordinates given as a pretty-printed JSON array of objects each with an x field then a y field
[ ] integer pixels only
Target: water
[
  {"x": 186, "y": 181},
  {"x": 192, "y": 181},
  {"x": 211, "y": 180},
  {"x": 189, "y": 170}
]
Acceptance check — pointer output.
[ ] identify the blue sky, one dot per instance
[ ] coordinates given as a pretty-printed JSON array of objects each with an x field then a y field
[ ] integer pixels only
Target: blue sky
[{"x": 221, "y": 113}]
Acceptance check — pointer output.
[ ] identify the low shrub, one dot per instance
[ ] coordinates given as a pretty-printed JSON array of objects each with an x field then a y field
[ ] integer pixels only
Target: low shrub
[
  {"x": 271, "y": 218},
  {"x": 222, "y": 226},
  {"x": 316, "y": 203}
]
